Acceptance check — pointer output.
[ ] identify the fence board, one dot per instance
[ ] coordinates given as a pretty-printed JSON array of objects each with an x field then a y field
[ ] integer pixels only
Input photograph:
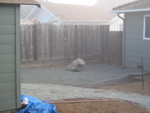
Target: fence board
[{"x": 43, "y": 43}]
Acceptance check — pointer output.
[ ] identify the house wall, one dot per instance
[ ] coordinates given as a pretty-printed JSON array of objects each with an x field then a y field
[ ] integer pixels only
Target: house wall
[
  {"x": 43, "y": 16},
  {"x": 135, "y": 46},
  {"x": 25, "y": 10},
  {"x": 116, "y": 24},
  {"x": 9, "y": 54}
]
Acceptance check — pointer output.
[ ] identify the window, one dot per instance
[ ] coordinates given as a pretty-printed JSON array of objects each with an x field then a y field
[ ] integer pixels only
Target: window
[{"x": 146, "y": 33}]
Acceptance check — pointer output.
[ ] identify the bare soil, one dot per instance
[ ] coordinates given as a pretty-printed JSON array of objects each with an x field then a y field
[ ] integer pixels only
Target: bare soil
[
  {"x": 101, "y": 106},
  {"x": 135, "y": 87},
  {"x": 109, "y": 106}
]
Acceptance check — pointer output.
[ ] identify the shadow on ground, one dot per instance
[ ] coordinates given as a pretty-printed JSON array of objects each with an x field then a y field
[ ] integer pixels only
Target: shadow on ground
[{"x": 124, "y": 80}]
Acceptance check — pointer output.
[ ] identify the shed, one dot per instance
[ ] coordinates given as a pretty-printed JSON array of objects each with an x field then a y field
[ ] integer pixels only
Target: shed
[
  {"x": 136, "y": 33},
  {"x": 10, "y": 53}
]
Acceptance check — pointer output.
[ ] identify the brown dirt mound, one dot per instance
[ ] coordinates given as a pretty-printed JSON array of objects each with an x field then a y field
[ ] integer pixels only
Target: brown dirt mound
[
  {"x": 135, "y": 87},
  {"x": 98, "y": 106}
]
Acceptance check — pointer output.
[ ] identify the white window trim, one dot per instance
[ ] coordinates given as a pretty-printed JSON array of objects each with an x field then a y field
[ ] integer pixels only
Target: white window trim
[{"x": 145, "y": 38}]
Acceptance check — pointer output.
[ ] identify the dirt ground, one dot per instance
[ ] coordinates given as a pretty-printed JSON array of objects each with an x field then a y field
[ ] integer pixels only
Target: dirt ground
[
  {"x": 98, "y": 106},
  {"x": 135, "y": 87},
  {"x": 108, "y": 106}
]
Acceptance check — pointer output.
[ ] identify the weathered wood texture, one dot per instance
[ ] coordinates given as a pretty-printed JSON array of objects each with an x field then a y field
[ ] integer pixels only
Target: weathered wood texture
[{"x": 44, "y": 43}]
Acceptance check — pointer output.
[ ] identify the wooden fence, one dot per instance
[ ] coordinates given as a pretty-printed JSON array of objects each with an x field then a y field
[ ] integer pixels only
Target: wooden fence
[{"x": 47, "y": 43}]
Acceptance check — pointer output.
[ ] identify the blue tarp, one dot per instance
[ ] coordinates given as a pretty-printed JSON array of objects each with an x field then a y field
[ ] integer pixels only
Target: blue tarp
[{"x": 37, "y": 106}]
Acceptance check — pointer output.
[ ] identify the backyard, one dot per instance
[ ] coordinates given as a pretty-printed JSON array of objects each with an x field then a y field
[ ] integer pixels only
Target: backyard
[
  {"x": 97, "y": 81},
  {"x": 115, "y": 70},
  {"x": 101, "y": 85}
]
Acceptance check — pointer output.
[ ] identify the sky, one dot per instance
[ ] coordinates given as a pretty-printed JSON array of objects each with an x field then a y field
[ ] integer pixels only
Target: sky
[{"x": 76, "y": 2}]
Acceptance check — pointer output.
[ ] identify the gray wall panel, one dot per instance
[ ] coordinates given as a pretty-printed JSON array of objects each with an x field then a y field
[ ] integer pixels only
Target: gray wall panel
[{"x": 135, "y": 46}]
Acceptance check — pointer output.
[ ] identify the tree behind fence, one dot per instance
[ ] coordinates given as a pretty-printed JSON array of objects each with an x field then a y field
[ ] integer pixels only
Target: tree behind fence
[{"x": 47, "y": 43}]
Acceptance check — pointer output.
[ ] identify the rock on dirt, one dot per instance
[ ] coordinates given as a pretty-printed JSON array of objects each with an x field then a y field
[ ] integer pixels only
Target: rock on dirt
[{"x": 77, "y": 65}]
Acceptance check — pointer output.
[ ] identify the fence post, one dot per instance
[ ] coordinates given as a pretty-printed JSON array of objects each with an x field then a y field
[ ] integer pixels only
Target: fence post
[{"x": 44, "y": 43}]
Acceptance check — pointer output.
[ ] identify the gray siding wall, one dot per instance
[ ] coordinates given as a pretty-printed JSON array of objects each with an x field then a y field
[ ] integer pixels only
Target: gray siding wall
[
  {"x": 135, "y": 46},
  {"x": 8, "y": 72}
]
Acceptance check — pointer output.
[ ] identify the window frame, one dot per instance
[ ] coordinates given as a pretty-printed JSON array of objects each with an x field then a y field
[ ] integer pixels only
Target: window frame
[{"x": 144, "y": 28}]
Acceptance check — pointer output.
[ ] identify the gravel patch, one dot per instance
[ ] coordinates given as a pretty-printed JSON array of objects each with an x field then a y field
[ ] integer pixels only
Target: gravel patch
[
  {"x": 94, "y": 73},
  {"x": 58, "y": 92},
  {"x": 41, "y": 83}
]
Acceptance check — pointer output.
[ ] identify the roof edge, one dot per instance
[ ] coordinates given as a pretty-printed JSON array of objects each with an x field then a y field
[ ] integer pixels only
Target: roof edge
[
  {"x": 19, "y": 2},
  {"x": 38, "y": 5},
  {"x": 131, "y": 10},
  {"x": 126, "y": 4}
]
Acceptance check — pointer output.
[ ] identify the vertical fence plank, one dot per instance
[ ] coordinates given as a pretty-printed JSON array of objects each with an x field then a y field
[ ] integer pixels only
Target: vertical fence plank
[{"x": 90, "y": 42}]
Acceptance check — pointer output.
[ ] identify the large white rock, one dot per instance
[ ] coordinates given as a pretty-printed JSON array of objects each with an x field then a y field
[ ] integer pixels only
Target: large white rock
[{"x": 77, "y": 65}]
